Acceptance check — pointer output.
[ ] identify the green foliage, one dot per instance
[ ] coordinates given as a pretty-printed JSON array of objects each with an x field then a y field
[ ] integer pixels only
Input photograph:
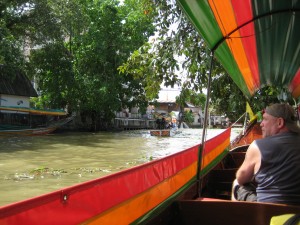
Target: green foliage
[
  {"x": 226, "y": 98},
  {"x": 176, "y": 55},
  {"x": 76, "y": 48},
  {"x": 52, "y": 69},
  {"x": 198, "y": 99},
  {"x": 11, "y": 58},
  {"x": 188, "y": 117},
  {"x": 112, "y": 35},
  {"x": 269, "y": 95},
  {"x": 186, "y": 95},
  {"x": 23, "y": 24}
]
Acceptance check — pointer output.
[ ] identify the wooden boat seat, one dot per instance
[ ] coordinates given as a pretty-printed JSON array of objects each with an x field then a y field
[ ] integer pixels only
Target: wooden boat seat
[
  {"x": 219, "y": 183},
  {"x": 215, "y": 212}
]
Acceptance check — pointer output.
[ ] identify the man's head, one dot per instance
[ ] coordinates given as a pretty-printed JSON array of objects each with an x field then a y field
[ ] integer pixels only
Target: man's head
[{"x": 279, "y": 118}]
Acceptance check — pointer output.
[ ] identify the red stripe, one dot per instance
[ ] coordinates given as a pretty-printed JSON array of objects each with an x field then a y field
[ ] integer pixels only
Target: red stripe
[
  {"x": 243, "y": 13},
  {"x": 211, "y": 144}
]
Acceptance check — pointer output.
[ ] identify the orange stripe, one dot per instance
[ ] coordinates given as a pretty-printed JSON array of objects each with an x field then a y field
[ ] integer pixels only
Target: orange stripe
[
  {"x": 227, "y": 23},
  {"x": 130, "y": 210},
  {"x": 208, "y": 158},
  {"x": 296, "y": 92}
]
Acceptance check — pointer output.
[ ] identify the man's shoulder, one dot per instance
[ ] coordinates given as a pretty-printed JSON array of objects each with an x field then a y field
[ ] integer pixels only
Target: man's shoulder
[{"x": 278, "y": 140}]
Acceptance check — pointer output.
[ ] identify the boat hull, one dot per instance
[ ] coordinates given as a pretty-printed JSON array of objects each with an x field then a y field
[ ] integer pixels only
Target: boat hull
[
  {"x": 27, "y": 132},
  {"x": 163, "y": 133},
  {"x": 15, "y": 132}
]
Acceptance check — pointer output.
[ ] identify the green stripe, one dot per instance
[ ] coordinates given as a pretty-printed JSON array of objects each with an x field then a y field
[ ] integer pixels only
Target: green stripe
[
  {"x": 224, "y": 55},
  {"x": 217, "y": 160},
  {"x": 200, "y": 14},
  {"x": 159, "y": 208}
]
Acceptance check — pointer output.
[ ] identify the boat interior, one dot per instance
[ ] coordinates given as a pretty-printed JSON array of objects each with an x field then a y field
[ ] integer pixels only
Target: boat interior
[{"x": 214, "y": 206}]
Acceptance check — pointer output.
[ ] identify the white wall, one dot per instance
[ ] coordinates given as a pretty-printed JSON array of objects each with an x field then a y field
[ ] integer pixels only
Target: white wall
[{"x": 12, "y": 100}]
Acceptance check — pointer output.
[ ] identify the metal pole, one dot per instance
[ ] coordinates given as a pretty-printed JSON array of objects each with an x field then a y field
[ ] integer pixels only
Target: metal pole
[{"x": 201, "y": 147}]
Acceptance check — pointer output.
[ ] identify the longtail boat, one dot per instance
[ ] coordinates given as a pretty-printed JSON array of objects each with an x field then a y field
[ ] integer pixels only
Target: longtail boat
[
  {"x": 30, "y": 124},
  {"x": 257, "y": 41},
  {"x": 164, "y": 132}
]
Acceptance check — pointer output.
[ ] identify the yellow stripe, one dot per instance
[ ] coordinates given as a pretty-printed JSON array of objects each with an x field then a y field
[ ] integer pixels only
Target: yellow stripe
[
  {"x": 34, "y": 111},
  {"x": 227, "y": 23},
  {"x": 130, "y": 210},
  {"x": 208, "y": 158}
]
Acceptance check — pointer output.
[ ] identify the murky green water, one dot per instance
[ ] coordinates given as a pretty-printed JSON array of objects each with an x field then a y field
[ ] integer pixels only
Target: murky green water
[{"x": 31, "y": 166}]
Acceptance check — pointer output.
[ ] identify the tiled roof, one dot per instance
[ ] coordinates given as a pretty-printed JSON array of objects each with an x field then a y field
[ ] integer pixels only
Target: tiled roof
[{"x": 19, "y": 85}]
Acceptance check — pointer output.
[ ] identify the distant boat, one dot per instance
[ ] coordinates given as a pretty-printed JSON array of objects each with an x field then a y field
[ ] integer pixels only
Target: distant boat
[
  {"x": 184, "y": 125},
  {"x": 23, "y": 121},
  {"x": 164, "y": 132}
]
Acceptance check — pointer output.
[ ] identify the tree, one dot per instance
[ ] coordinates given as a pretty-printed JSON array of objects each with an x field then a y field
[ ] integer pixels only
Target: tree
[
  {"x": 186, "y": 95},
  {"x": 170, "y": 58},
  {"x": 81, "y": 71},
  {"x": 188, "y": 117},
  {"x": 176, "y": 55},
  {"x": 52, "y": 68},
  {"x": 76, "y": 47},
  {"x": 23, "y": 23}
]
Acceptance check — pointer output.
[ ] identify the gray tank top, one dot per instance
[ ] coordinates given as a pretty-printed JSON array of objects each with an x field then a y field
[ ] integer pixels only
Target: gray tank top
[{"x": 278, "y": 177}]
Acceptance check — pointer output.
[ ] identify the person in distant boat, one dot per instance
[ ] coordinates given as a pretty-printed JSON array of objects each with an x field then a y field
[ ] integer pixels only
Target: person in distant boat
[
  {"x": 273, "y": 162},
  {"x": 163, "y": 123},
  {"x": 170, "y": 125},
  {"x": 158, "y": 123}
]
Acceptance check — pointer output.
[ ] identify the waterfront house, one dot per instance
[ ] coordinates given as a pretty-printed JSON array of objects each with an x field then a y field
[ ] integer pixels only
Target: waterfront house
[{"x": 16, "y": 91}]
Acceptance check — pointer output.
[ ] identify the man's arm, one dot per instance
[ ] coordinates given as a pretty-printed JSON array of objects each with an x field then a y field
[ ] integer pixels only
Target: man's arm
[{"x": 250, "y": 165}]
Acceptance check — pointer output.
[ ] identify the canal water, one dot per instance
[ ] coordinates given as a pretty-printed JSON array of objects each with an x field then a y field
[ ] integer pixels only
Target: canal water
[{"x": 31, "y": 166}]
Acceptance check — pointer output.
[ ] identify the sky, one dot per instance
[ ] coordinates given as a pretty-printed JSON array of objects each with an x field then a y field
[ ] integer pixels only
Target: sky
[{"x": 168, "y": 94}]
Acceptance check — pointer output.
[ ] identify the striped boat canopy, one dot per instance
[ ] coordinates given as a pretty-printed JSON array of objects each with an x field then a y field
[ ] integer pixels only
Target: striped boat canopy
[{"x": 257, "y": 41}]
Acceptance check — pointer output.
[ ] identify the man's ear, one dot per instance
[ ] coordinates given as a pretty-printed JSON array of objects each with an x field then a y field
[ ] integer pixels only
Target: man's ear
[{"x": 280, "y": 122}]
